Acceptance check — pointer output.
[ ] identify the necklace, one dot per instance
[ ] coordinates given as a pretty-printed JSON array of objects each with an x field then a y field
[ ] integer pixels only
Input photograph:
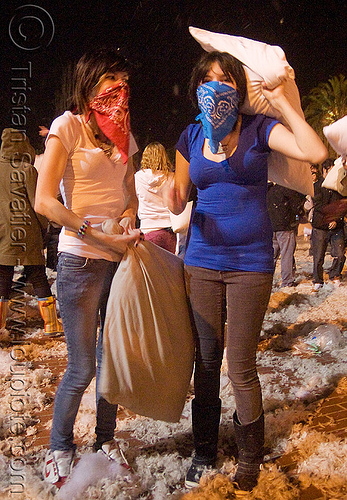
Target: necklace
[
  {"x": 224, "y": 148},
  {"x": 107, "y": 148}
]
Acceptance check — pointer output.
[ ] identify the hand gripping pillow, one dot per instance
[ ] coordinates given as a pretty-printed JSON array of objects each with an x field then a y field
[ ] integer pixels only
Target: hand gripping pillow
[
  {"x": 264, "y": 63},
  {"x": 336, "y": 133}
]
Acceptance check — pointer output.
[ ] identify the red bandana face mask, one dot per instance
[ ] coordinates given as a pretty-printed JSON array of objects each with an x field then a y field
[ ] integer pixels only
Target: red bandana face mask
[{"x": 111, "y": 110}]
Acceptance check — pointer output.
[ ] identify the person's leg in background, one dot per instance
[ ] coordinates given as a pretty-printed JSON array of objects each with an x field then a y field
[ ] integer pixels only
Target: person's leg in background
[
  {"x": 36, "y": 275},
  {"x": 276, "y": 247},
  {"x": 6, "y": 277},
  {"x": 319, "y": 246},
  {"x": 287, "y": 244},
  {"x": 337, "y": 243}
]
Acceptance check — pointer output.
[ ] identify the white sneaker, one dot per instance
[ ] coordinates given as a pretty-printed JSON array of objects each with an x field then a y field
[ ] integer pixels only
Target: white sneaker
[
  {"x": 336, "y": 282},
  {"x": 113, "y": 452},
  {"x": 317, "y": 286},
  {"x": 58, "y": 465}
]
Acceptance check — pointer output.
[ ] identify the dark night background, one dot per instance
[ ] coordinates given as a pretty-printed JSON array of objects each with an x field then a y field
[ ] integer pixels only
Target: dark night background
[{"x": 154, "y": 37}]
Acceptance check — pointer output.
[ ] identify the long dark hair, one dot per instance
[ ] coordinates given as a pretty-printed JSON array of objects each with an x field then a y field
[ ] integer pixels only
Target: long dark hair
[
  {"x": 230, "y": 66},
  {"x": 90, "y": 68}
]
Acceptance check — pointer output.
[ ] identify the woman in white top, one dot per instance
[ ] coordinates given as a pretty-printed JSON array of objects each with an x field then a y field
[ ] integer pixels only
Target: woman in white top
[
  {"x": 150, "y": 184},
  {"x": 89, "y": 155}
]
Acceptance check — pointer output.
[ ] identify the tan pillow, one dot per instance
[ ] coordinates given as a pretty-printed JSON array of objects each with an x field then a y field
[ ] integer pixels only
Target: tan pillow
[{"x": 148, "y": 346}]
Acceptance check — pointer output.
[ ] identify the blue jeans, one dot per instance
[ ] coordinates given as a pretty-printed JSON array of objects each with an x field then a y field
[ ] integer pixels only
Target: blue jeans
[
  {"x": 83, "y": 287},
  {"x": 241, "y": 298},
  {"x": 320, "y": 239},
  {"x": 284, "y": 244}
]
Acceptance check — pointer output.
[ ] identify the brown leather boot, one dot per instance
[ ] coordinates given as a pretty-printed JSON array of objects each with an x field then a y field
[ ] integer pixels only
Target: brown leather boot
[
  {"x": 250, "y": 443},
  {"x": 48, "y": 311}
]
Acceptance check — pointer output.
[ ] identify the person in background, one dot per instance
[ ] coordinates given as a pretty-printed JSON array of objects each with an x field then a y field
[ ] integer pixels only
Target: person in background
[
  {"x": 21, "y": 229},
  {"x": 285, "y": 206},
  {"x": 229, "y": 257},
  {"x": 308, "y": 206},
  {"x": 89, "y": 154},
  {"x": 150, "y": 183},
  {"x": 51, "y": 242},
  {"x": 325, "y": 233}
]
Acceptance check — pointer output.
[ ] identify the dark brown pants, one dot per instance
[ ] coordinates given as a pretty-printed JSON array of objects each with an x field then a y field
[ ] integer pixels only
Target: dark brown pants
[{"x": 241, "y": 299}]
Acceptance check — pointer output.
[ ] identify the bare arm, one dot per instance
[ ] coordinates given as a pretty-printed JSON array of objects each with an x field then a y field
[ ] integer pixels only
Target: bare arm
[
  {"x": 301, "y": 141},
  {"x": 179, "y": 193},
  {"x": 46, "y": 203},
  {"x": 51, "y": 172}
]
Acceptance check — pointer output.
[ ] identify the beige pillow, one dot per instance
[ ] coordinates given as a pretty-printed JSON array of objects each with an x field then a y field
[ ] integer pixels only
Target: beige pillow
[{"x": 148, "y": 344}]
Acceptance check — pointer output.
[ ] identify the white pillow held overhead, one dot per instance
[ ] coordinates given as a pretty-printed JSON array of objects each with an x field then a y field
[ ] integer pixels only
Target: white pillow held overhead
[
  {"x": 262, "y": 63},
  {"x": 269, "y": 61}
]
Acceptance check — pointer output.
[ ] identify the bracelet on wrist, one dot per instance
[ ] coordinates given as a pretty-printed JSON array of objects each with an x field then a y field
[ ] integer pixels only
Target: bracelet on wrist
[{"x": 82, "y": 230}]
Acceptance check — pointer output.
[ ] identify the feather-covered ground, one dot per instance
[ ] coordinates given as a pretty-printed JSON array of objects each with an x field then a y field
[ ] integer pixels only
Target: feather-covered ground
[{"x": 302, "y": 359}]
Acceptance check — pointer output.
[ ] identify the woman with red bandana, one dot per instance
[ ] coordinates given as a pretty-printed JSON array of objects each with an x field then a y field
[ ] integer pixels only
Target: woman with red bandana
[{"x": 89, "y": 156}]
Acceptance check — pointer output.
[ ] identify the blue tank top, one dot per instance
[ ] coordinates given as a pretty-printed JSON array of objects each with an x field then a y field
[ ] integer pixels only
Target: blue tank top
[{"x": 230, "y": 227}]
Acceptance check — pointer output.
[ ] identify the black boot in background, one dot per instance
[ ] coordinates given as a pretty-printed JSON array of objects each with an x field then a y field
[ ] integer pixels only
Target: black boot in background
[
  {"x": 205, "y": 422},
  {"x": 250, "y": 443}
]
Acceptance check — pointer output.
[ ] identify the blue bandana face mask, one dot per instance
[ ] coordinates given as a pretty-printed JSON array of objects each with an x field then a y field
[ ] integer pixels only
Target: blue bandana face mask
[{"x": 219, "y": 106}]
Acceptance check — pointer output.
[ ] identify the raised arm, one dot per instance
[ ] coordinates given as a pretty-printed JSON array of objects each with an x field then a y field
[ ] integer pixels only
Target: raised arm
[
  {"x": 179, "y": 193},
  {"x": 46, "y": 203},
  {"x": 301, "y": 141}
]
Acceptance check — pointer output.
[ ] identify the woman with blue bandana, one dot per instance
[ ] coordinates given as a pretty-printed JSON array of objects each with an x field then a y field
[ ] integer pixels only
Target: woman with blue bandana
[{"x": 229, "y": 257}]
